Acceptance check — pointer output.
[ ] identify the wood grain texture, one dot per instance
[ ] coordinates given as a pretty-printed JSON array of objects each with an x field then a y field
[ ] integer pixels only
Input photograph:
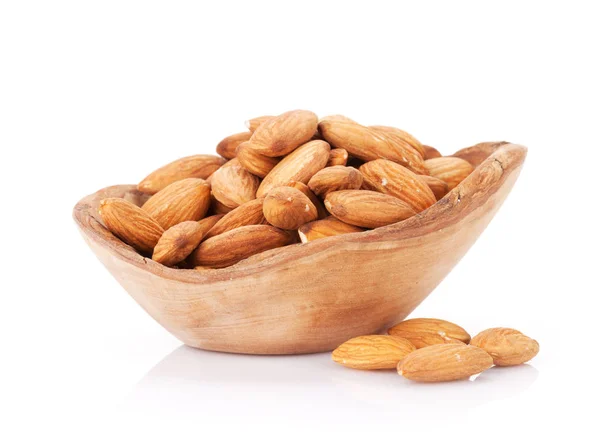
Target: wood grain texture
[
  {"x": 478, "y": 153},
  {"x": 310, "y": 297}
]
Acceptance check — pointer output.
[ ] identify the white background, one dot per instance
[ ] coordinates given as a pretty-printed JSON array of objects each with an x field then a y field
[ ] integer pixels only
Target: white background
[{"x": 101, "y": 93}]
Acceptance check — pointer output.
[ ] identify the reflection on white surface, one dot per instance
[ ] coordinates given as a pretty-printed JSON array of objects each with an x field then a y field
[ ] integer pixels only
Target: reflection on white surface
[{"x": 190, "y": 381}]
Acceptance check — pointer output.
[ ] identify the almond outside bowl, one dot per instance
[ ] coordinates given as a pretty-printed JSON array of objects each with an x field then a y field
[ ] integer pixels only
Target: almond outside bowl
[{"x": 307, "y": 298}]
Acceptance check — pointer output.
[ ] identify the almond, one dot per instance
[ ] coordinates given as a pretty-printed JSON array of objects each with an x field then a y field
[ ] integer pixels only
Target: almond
[
  {"x": 130, "y": 223},
  {"x": 187, "y": 199},
  {"x": 429, "y": 339},
  {"x": 217, "y": 207},
  {"x": 255, "y": 163},
  {"x": 451, "y": 170},
  {"x": 430, "y": 152},
  {"x": 335, "y": 178},
  {"x": 369, "y": 143},
  {"x": 444, "y": 362},
  {"x": 209, "y": 222},
  {"x": 313, "y": 198},
  {"x": 391, "y": 178},
  {"x": 506, "y": 345},
  {"x": 233, "y": 185},
  {"x": 281, "y": 135},
  {"x": 372, "y": 352},
  {"x": 329, "y": 226},
  {"x": 240, "y": 243},
  {"x": 368, "y": 209},
  {"x": 288, "y": 208},
  {"x": 402, "y": 138},
  {"x": 438, "y": 187},
  {"x": 337, "y": 156},
  {"x": 199, "y": 167},
  {"x": 299, "y": 166},
  {"x": 423, "y": 332},
  {"x": 252, "y": 124},
  {"x": 178, "y": 242},
  {"x": 226, "y": 147},
  {"x": 250, "y": 213}
]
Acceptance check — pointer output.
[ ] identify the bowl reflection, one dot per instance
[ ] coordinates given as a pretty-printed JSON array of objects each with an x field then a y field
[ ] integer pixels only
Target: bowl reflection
[{"x": 192, "y": 380}]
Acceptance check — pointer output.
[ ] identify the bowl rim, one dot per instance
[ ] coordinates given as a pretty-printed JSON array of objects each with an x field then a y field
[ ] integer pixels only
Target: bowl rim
[{"x": 493, "y": 162}]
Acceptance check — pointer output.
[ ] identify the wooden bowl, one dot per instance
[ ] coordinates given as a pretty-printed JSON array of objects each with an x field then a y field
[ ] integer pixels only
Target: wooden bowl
[{"x": 311, "y": 297}]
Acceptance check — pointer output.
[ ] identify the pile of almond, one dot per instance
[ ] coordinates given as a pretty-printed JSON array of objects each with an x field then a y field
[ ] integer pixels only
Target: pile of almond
[
  {"x": 290, "y": 178},
  {"x": 433, "y": 350}
]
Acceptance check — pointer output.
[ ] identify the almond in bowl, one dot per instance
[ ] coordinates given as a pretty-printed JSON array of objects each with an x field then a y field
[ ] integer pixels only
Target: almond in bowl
[{"x": 272, "y": 277}]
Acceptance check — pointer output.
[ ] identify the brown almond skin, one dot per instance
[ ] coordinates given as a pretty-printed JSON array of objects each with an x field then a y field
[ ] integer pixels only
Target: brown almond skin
[
  {"x": 233, "y": 185},
  {"x": 281, "y": 135},
  {"x": 422, "y": 332},
  {"x": 402, "y": 137},
  {"x": 254, "y": 162},
  {"x": 506, "y": 346},
  {"x": 428, "y": 339},
  {"x": 130, "y": 223},
  {"x": 240, "y": 243},
  {"x": 368, "y": 209},
  {"x": 187, "y": 199},
  {"x": 444, "y": 362},
  {"x": 438, "y": 187},
  {"x": 288, "y": 208},
  {"x": 391, "y": 178},
  {"x": 250, "y": 213},
  {"x": 337, "y": 156},
  {"x": 177, "y": 243},
  {"x": 299, "y": 166},
  {"x": 182, "y": 241},
  {"x": 200, "y": 166},
  {"x": 318, "y": 203},
  {"x": 327, "y": 227},
  {"x": 370, "y": 143},
  {"x": 451, "y": 170},
  {"x": 209, "y": 222},
  {"x": 254, "y": 123},
  {"x": 335, "y": 178},
  {"x": 430, "y": 152},
  {"x": 217, "y": 207},
  {"x": 372, "y": 352},
  {"x": 226, "y": 147}
]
